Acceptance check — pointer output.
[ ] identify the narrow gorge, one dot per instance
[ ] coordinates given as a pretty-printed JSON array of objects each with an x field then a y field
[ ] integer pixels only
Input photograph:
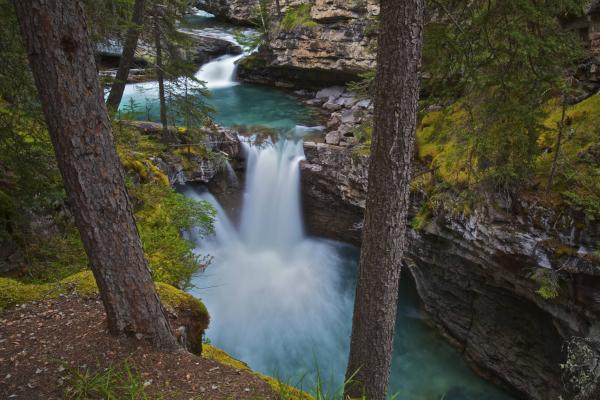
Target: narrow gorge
[{"x": 473, "y": 273}]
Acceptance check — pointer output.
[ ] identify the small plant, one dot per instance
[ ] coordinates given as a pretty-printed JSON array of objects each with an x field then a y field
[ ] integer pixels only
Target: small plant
[
  {"x": 298, "y": 16},
  {"x": 112, "y": 383},
  {"x": 549, "y": 283}
]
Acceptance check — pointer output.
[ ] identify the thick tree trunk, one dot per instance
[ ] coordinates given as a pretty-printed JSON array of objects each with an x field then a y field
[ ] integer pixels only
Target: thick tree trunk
[
  {"x": 63, "y": 66},
  {"x": 395, "y": 116},
  {"x": 161, "y": 78},
  {"x": 131, "y": 41}
]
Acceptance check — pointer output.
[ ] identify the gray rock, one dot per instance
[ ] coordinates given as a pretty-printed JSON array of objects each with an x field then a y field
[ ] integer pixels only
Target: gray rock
[
  {"x": 363, "y": 103},
  {"x": 330, "y": 93},
  {"x": 349, "y": 117},
  {"x": 346, "y": 101},
  {"x": 333, "y": 137},
  {"x": 332, "y": 106}
]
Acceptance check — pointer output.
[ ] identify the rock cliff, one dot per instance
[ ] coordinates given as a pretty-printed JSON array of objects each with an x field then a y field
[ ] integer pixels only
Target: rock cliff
[
  {"x": 331, "y": 43},
  {"x": 474, "y": 273},
  {"x": 477, "y": 274}
]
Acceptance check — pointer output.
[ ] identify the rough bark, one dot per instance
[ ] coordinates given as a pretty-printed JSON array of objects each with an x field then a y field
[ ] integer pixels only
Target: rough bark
[
  {"x": 131, "y": 40},
  {"x": 62, "y": 61},
  {"x": 384, "y": 233}
]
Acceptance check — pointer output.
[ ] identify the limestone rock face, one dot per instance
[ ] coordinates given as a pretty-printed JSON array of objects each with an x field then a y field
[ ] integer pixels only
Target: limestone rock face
[
  {"x": 335, "y": 46},
  {"x": 237, "y": 11},
  {"x": 473, "y": 273}
]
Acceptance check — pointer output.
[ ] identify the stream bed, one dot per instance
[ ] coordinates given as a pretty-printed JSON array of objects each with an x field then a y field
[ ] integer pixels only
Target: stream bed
[{"x": 282, "y": 301}]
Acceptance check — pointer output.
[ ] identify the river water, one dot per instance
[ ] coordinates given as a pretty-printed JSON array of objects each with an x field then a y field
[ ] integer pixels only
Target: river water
[{"x": 282, "y": 301}]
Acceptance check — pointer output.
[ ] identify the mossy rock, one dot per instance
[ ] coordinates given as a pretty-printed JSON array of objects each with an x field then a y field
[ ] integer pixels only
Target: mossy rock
[
  {"x": 13, "y": 292},
  {"x": 285, "y": 392},
  {"x": 252, "y": 62}
]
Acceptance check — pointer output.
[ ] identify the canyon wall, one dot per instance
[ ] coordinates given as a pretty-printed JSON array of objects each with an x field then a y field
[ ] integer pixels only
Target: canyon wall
[{"x": 474, "y": 273}]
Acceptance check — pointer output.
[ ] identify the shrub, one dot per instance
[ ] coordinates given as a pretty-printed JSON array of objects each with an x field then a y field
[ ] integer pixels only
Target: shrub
[{"x": 298, "y": 16}]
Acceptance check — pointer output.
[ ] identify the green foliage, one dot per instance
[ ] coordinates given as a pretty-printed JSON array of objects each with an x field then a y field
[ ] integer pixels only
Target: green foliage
[
  {"x": 444, "y": 144},
  {"x": 505, "y": 60},
  {"x": 549, "y": 283},
  {"x": 298, "y": 16},
  {"x": 120, "y": 381},
  {"x": 363, "y": 88},
  {"x": 162, "y": 215},
  {"x": 249, "y": 40},
  {"x": 186, "y": 103},
  {"x": 107, "y": 19}
]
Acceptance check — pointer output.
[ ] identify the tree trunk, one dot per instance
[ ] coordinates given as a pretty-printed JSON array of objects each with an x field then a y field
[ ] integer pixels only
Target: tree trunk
[
  {"x": 384, "y": 233},
  {"x": 559, "y": 136},
  {"x": 161, "y": 78},
  {"x": 62, "y": 62},
  {"x": 131, "y": 40}
]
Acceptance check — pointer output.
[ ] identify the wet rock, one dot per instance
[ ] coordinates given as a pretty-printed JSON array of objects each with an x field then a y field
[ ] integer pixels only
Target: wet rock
[{"x": 473, "y": 272}]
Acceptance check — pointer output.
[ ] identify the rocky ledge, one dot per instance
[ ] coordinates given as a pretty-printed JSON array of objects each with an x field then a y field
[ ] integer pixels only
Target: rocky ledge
[
  {"x": 330, "y": 42},
  {"x": 477, "y": 274},
  {"x": 193, "y": 168}
]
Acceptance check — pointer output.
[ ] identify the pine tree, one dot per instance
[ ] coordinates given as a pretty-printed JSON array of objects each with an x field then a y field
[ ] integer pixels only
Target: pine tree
[
  {"x": 395, "y": 117},
  {"x": 62, "y": 61}
]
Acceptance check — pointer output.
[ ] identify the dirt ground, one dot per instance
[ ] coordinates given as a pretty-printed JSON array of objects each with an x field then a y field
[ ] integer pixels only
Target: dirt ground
[{"x": 43, "y": 343}]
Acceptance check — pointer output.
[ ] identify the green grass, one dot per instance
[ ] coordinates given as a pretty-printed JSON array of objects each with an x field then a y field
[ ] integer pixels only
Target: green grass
[
  {"x": 120, "y": 382},
  {"x": 298, "y": 16}
]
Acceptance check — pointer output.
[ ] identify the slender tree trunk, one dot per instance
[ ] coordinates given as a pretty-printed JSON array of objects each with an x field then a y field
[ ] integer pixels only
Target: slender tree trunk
[
  {"x": 62, "y": 62},
  {"x": 131, "y": 40},
  {"x": 561, "y": 130},
  {"x": 278, "y": 6},
  {"x": 384, "y": 232},
  {"x": 161, "y": 77}
]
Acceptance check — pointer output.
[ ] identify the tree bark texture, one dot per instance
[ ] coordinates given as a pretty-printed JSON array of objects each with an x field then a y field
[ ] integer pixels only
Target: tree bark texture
[
  {"x": 131, "y": 41},
  {"x": 396, "y": 96},
  {"x": 62, "y": 61}
]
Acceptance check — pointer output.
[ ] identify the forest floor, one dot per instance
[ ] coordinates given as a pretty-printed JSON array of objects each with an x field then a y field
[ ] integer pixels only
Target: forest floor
[{"x": 56, "y": 349}]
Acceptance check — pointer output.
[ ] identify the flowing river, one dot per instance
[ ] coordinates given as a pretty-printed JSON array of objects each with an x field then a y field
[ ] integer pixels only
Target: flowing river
[{"x": 280, "y": 300}]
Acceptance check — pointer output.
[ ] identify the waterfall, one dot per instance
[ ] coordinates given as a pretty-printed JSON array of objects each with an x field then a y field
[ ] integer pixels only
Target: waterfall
[
  {"x": 280, "y": 301},
  {"x": 271, "y": 215},
  {"x": 219, "y": 73}
]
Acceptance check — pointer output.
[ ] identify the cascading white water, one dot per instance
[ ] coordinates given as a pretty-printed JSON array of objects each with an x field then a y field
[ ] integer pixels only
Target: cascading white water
[
  {"x": 278, "y": 298},
  {"x": 219, "y": 73},
  {"x": 271, "y": 215}
]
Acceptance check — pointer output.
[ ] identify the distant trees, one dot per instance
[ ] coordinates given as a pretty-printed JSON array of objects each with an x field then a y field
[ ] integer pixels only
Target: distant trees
[
  {"x": 129, "y": 47},
  {"x": 62, "y": 61},
  {"x": 396, "y": 95}
]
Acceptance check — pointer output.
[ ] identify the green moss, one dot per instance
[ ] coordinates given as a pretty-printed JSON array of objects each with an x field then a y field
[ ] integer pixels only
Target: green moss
[
  {"x": 13, "y": 292},
  {"x": 286, "y": 392},
  {"x": 298, "y": 16},
  {"x": 83, "y": 283},
  {"x": 449, "y": 140},
  {"x": 173, "y": 298}
]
